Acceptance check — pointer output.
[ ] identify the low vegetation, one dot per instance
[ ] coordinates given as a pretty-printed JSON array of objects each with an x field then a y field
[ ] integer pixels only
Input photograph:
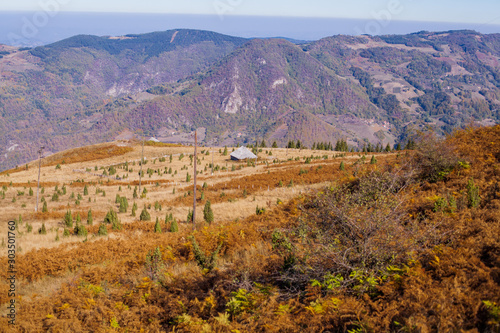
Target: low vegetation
[{"x": 407, "y": 244}]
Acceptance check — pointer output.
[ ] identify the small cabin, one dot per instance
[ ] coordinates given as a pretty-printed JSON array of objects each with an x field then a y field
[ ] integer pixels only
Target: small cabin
[{"x": 242, "y": 153}]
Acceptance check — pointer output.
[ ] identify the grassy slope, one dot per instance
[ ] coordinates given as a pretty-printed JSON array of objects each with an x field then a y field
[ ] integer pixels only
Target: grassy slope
[{"x": 441, "y": 287}]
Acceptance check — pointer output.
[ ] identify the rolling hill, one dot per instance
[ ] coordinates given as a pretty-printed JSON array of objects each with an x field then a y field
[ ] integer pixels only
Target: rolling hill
[
  {"x": 297, "y": 240},
  {"x": 89, "y": 89}
]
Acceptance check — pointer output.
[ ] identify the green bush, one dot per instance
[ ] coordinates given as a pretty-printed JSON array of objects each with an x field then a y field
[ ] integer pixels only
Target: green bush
[
  {"x": 174, "y": 227},
  {"x": 154, "y": 265},
  {"x": 42, "y": 230},
  {"x": 204, "y": 262},
  {"x": 68, "y": 219},
  {"x": 103, "y": 230},
  {"x": 145, "y": 215},
  {"x": 157, "y": 226},
  {"x": 90, "y": 220},
  {"x": 123, "y": 205},
  {"x": 111, "y": 217},
  {"x": 208, "y": 214},
  {"x": 80, "y": 230},
  {"x": 473, "y": 197}
]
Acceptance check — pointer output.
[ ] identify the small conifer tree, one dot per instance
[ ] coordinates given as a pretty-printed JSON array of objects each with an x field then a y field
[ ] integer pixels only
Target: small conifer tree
[
  {"x": 85, "y": 190},
  {"x": 116, "y": 225},
  {"x": 208, "y": 214},
  {"x": 342, "y": 166},
  {"x": 145, "y": 215},
  {"x": 42, "y": 230},
  {"x": 103, "y": 230},
  {"x": 174, "y": 227},
  {"x": 204, "y": 262},
  {"x": 111, "y": 217},
  {"x": 157, "y": 226},
  {"x": 123, "y": 205},
  {"x": 473, "y": 197},
  {"x": 90, "y": 220},
  {"x": 80, "y": 230},
  {"x": 44, "y": 208},
  {"x": 68, "y": 219},
  {"x": 134, "y": 208}
]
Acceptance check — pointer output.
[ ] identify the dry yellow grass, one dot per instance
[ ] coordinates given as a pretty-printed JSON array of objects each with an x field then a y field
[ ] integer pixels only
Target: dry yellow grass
[
  {"x": 75, "y": 174},
  {"x": 117, "y": 262},
  {"x": 160, "y": 187}
]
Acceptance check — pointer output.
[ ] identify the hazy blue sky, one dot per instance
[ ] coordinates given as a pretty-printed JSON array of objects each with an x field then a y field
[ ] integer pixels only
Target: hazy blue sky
[
  {"x": 39, "y": 22},
  {"x": 466, "y": 11}
]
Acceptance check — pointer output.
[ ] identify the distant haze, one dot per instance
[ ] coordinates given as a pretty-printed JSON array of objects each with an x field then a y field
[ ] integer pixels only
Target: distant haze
[{"x": 38, "y": 28}]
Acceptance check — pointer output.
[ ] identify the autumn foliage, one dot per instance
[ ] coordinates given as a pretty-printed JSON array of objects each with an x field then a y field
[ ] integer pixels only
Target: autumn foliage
[{"x": 393, "y": 247}]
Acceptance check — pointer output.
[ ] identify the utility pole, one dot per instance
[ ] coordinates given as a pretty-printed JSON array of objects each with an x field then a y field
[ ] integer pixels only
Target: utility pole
[
  {"x": 140, "y": 172},
  {"x": 39, "y": 167},
  {"x": 194, "y": 190},
  {"x": 212, "y": 161}
]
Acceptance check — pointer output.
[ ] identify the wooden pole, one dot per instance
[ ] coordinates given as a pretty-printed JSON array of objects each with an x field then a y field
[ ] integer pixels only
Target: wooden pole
[
  {"x": 140, "y": 171},
  {"x": 39, "y": 167},
  {"x": 194, "y": 190}
]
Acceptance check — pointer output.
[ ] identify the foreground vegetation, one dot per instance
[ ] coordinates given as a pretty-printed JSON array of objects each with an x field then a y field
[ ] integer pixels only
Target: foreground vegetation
[{"x": 403, "y": 243}]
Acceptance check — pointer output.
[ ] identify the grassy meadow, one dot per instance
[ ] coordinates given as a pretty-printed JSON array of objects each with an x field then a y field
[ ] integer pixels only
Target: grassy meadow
[{"x": 301, "y": 240}]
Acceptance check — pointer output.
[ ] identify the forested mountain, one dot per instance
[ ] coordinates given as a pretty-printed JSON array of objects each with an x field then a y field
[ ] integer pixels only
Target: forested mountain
[{"x": 88, "y": 89}]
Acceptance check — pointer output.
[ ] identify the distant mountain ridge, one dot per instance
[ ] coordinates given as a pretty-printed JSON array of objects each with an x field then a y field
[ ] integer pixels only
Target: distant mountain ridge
[{"x": 89, "y": 89}]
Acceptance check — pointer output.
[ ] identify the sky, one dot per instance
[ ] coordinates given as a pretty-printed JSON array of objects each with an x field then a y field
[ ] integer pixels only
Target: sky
[
  {"x": 40, "y": 22},
  {"x": 463, "y": 11}
]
